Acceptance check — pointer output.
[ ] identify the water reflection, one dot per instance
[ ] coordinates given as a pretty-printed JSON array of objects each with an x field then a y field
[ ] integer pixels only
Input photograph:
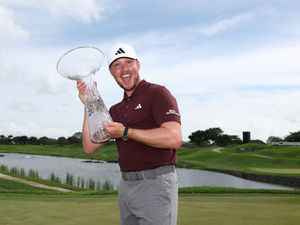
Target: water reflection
[{"x": 99, "y": 171}]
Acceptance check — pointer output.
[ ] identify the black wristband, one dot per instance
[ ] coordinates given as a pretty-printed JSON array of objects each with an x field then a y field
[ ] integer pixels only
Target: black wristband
[{"x": 124, "y": 136}]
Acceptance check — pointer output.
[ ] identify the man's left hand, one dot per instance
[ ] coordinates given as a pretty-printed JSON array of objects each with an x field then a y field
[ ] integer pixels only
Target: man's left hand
[{"x": 114, "y": 129}]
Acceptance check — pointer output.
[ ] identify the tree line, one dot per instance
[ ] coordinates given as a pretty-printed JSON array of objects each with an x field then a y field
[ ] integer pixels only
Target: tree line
[
  {"x": 213, "y": 136},
  {"x": 22, "y": 140},
  {"x": 292, "y": 137},
  {"x": 216, "y": 136},
  {"x": 201, "y": 138}
]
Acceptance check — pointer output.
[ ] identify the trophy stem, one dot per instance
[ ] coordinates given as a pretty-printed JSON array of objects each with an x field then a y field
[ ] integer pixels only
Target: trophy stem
[{"x": 89, "y": 80}]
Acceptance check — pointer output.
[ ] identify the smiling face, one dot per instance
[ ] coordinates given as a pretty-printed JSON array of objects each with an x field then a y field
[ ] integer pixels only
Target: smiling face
[{"x": 126, "y": 73}]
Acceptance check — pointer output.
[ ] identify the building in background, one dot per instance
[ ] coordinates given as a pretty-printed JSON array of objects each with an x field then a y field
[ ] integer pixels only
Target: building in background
[{"x": 246, "y": 137}]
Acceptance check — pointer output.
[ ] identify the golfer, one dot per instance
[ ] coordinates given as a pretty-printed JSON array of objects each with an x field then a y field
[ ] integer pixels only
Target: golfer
[{"x": 147, "y": 130}]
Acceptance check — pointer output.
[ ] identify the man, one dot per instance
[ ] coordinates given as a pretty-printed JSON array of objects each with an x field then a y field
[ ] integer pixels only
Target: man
[{"x": 148, "y": 132}]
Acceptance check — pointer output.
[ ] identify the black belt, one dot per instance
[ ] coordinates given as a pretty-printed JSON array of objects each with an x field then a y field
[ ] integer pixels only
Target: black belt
[{"x": 147, "y": 174}]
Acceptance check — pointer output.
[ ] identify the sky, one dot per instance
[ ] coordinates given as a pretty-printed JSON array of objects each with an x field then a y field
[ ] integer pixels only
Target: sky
[{"x": 229, "y": 63}]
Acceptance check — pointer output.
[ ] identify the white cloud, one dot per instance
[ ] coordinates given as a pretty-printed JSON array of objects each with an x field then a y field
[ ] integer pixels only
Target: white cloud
[
  {"x": 192, "y": 33},
  {"x": 34, "y": 70},
  {"x": 276, "y": 65},
  {"x": 236, "y": 92},
  {"x": 263, "y": 114},
  {"x": 29, "y": 128},
  {"x": 86, "y": 11},
  {"x": 225, "y": 24},
  {"x": 10, "y": 32}
]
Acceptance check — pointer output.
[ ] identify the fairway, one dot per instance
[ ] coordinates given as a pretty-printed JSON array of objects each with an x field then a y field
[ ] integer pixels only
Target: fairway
[{"x": 233, "y": 209}]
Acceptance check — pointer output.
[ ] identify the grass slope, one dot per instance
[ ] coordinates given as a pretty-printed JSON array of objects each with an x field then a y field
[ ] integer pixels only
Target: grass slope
[{"x": 273, "y": 160}]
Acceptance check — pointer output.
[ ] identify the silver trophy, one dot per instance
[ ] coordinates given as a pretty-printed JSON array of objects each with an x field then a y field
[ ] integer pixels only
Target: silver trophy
[{"x": 82, "y": 63}]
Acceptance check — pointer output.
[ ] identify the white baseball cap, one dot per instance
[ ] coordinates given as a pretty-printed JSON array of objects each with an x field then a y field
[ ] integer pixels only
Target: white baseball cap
[{"x": 120, "y": 50}]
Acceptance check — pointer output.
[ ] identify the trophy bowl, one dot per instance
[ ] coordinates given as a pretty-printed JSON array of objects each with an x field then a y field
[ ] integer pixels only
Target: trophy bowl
[{"x": 80, "y": 62}]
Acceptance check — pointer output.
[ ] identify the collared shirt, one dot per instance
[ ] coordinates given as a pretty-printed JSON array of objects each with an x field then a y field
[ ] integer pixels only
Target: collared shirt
[{"x": 148, "y": 107}]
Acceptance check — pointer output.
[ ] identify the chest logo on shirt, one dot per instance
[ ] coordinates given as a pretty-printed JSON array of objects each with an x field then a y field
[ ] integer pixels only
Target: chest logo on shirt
[{"x": 139, "y": 106}]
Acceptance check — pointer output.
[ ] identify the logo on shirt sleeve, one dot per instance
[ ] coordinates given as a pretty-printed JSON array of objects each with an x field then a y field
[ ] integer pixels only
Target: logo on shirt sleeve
[{"x": 172, "y": 111}]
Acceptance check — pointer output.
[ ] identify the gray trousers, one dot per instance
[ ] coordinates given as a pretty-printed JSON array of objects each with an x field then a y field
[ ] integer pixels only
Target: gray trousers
[{"x": 149, "y": 201}]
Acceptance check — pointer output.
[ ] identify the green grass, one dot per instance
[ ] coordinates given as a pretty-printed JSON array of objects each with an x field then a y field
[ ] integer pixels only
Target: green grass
[
  {"x": 281, "y": 171},
  {"x": 108, "y": 153},
  {"x": 12, "y": 185},
  {"x": 269, "y": 158},
  {"x": 46, "y": 182},
  {"x": 59, "y": 210},
  {"x": 225, "y": 209},
  {"x": 9, "y": 187},
  {"x": 237, "y": 210}
]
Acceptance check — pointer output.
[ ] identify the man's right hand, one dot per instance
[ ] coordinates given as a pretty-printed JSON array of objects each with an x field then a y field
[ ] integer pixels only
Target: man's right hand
[{"x": 81, "y": 87}]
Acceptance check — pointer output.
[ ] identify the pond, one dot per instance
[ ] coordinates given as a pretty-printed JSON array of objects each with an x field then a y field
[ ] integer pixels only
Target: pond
[{"x": 102, "y": 171}]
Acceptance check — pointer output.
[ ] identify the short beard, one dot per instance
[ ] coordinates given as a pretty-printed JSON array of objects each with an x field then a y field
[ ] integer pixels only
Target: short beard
[{"x": 135, "y": 82}]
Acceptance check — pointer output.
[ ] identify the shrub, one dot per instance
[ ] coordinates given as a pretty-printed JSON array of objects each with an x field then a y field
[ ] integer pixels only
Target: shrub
[
  {"x": 33, "y": 173},
  {"x": 91, "y": 184},
  {"x": 3, "y": 168},
  {"x": 14, "y": 170},
  {"x": 55, "y": 178},
  {"x": 107, "y": 186},
  {"x": 69, "y": 179}
]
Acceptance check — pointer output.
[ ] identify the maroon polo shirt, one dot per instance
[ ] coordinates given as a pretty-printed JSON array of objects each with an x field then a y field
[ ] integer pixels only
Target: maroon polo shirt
[{"x": 148, "y": 107}]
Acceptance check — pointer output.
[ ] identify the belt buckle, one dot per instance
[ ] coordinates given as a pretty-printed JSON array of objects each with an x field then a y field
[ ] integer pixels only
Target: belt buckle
[
  {"x": 133, "y": 176},
  {"x": 139, "y": 175},
  {"x": 142, "y": 175},
  {"x": 130, "y": 176}
]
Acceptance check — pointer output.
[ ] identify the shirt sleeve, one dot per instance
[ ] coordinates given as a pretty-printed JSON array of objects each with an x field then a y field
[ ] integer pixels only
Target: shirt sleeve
[{"x": 164, "y": 106}]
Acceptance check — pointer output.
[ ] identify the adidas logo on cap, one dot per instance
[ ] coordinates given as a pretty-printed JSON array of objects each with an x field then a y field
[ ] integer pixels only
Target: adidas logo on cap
[{"x": 119, "y": 51}]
